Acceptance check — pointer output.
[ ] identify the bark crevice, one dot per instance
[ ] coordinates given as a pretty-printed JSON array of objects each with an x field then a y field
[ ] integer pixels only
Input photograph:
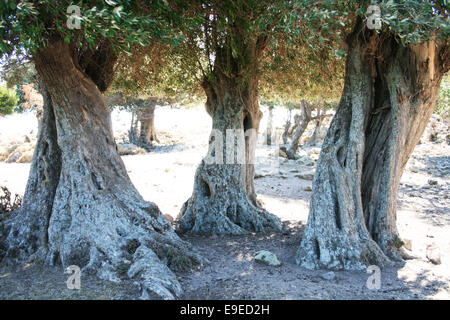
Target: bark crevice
[
  {"x": 96, "y": 212},
  {"x": 389, "y": 95},
  {"x": 231, "y": 206}
]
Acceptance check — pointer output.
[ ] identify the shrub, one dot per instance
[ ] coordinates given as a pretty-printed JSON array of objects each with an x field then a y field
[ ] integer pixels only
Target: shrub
[
  {"x": 443, "y": 102},
  {"x": 8, "y": 100}
]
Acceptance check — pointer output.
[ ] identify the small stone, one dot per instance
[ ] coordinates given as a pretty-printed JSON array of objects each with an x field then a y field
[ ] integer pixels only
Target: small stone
[
  {"x": 305, "y": 175},
  {"x": 414, "y": 169},
  {"x": 282, "y": 154},
  {"x": 267, "y": 258},
  {"x": 168, "y": 218},
  {"x": 433, "y": 254},
  {"x": 308, "y": 188},
  {"x": 432, "y": 182},
  {"x": 129, "y": 149},
  {"x": 306, "y": 161},
  {"x": 259, "y": 175},
  {"x": 14, "y": 157},
  {"x": 328, "y": 276},
  {"x": 26, "y": 157},
  {"x": 407, "y": 244}
]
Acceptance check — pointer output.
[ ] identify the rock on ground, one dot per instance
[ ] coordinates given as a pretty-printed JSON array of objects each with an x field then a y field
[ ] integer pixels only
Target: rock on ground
[{"x": 267, "y": 258}]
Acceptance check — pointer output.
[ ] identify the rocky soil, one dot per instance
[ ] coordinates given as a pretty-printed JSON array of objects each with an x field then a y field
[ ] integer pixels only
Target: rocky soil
[{"x": 165, "y": 176}]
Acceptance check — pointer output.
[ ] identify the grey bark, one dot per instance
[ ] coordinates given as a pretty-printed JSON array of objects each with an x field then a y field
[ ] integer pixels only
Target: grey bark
[
  {"x": 133, "y": 132},
  {"x": 146, "y": 117},
  {"x": 318, "y": 123},
  {"x": 287, "y": 126},
  {"x": 269, "y": 127},
  {"x": 24, "y": 235},
  {"x": 98, "y": 220},
  {"x": 224, "y": 198},
  {"x": 382, "y": 114},
  {"x": 305, "y": 118}
]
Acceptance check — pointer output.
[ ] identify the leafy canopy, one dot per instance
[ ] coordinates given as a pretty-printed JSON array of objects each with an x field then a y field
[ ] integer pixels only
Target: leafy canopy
[
  {"x": 8, "y": 100},
  {"x": 28, "y": 25}
]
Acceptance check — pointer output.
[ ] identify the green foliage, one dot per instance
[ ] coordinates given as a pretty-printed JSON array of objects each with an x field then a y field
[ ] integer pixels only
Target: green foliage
[
  {"x": 29, "y": 25},
  {"x": 160, "y": 71},
  {"x": 18, "y": 71},
  {"x": 443, "y": 102},
  {"x": 8, "y": 100},
  {"x": 411, "y": 20},
  {"x": 7, "y": 202},
  {"x": 296, "y": 72},
  {"x": 186, "y": 42}
]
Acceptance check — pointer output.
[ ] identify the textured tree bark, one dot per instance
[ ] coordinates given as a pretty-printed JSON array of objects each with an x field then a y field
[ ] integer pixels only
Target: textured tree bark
[
  {"x": 408, "y": 90},
  {"x": 224, "y": 198},
  {"x": 318, "y": 123},
  {"x": 300, "y": 129},
  {"x": 25, "y": 235},
  {"x": 269, "y": 127},
  {"x": 146, "y": 117},
  {"x": 388, "y": 97},
  {"x": 287, "y": 126},
  {"x": 98, "y": 219},
  {"x": 133, "y": 132}
]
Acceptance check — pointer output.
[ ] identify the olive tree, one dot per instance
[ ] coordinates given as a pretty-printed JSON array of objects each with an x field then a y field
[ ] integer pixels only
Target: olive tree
[
  {"x": 397, "y": 55},
  {"x": 80, "y": 207}
]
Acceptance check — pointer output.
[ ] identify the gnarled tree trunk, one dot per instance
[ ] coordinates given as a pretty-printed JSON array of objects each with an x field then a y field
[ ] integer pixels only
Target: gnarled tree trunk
[
  {"x": 98, "y": 220},
  {"x": 389, "y": 95},
  {"x": 305, "y": 118},
  {"x": 321, "y": 114},
  {"x": 224, "y": 198},
  {"x": 287, "y": 126},
  {"x": 146, "y": 117},
  {"x": 25, "y": 233}
]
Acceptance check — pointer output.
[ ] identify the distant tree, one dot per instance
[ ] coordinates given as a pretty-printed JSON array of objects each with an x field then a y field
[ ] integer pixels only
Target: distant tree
[
  {"x": 150, "y": 76},
  {"x": 8, "y": 100},
  {"x": 18, "y": 71},
  {"x": 443, "y": 101},
  {"x": 321, "y": 114}
]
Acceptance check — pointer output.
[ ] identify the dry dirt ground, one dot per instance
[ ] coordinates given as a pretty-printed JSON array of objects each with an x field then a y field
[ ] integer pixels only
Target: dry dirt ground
[{"x": 165, "y": 176}]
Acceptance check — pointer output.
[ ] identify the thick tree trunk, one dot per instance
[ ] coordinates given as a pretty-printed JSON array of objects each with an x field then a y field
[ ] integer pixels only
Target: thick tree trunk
[
  {"x": 224, "y": 198},
  {"x": 287, "y": 126},
  {"x": 132, "y": 133},
  {"x": 146, "y": 117},
  {"x": 303, "y": 123},
  {"x": 25, "y": 235},
  {"x": 98, "y": 219},
  {"x": 269, "y": 127},
  {"x": 318, "y": 123},
  {"x": 388, "y": 97},
  {"x": 408, "y": 90}
]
